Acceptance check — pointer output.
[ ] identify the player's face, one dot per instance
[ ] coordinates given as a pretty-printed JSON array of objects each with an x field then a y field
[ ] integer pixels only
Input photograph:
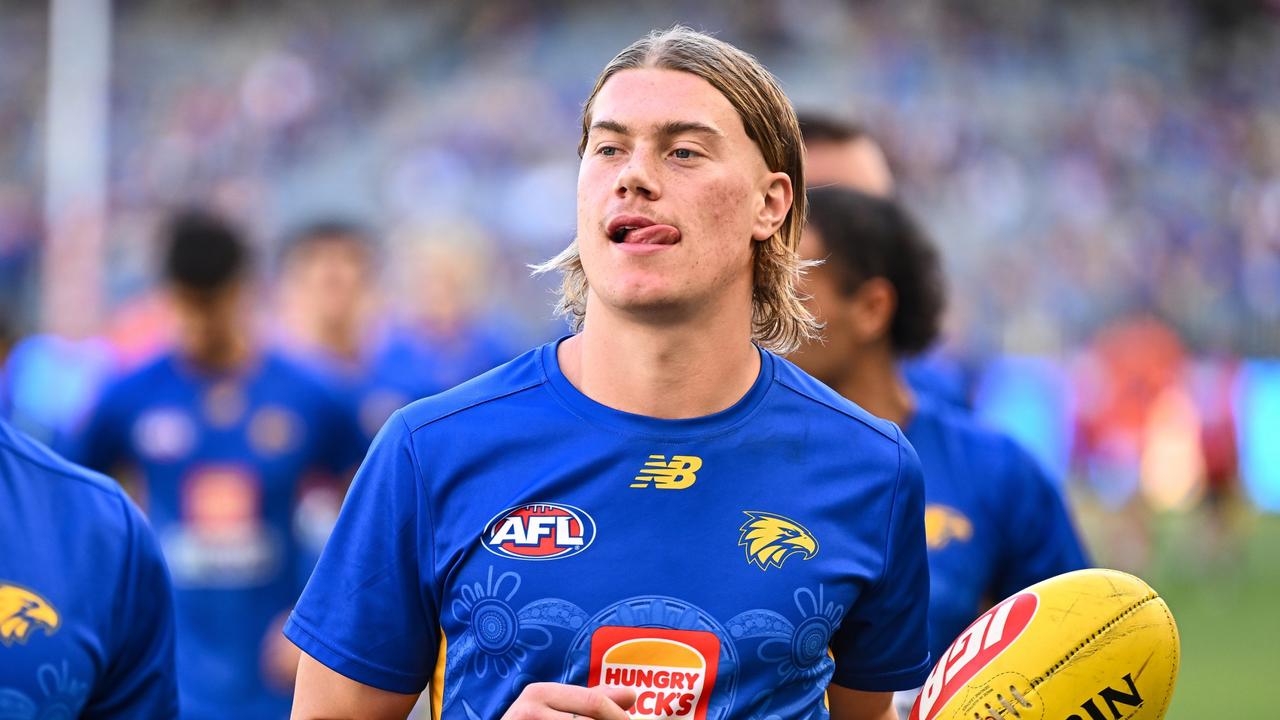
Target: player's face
[
  {"x": 827, "y": 357},
  {"x": 671, "y": 196},
  {"x": 332, "y": 281},
  {"x": 210, "y": 322},
  {"x": 857, "y": 164}
]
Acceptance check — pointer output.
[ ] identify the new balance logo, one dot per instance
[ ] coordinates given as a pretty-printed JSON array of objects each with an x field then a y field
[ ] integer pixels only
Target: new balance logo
[{"x": 677, "y": 473}]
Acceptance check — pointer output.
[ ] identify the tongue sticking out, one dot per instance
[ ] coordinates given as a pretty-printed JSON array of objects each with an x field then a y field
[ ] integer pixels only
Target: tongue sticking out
[{"x": 653, "y": 235}]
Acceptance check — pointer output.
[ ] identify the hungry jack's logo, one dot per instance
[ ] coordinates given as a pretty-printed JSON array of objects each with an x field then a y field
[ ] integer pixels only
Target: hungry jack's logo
[
  {"x": 672, "y": 671},
  {"x": 678, "y": 473},
  {"x": 769, "y": 539}
]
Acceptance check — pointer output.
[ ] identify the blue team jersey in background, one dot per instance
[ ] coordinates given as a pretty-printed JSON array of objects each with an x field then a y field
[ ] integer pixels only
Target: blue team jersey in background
[
  {"x": 388, "y": 376},
  {"x": 86, "y": 613},
  {"x": 223, "y": 461},
  {"x": 512, "y": 530},
  {"x": 995, "y": 522}
]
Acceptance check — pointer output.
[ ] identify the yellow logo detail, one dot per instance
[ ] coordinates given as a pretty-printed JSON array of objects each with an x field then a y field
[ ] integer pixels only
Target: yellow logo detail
[
  {"x": 943, "y": 524},
  {"x": 770, "y": 539},
  {"x": 677, "y": 473},
  {"x": 21, "y": 612}
]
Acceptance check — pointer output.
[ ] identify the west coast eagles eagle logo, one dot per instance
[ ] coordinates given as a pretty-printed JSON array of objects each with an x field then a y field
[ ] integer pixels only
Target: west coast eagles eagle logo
[
  {"x": 22, "y": 612},
  {"x": 769, "y": 539}
]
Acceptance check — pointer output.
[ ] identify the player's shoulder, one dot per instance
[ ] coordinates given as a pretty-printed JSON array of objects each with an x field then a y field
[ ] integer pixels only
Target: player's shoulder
[
  {"x": 509, "y": 379},
  {"x": 1000, "y": 455},
  {"x": 129, "y": 391},
  {"x": 843, "y": 414},
  {"x": 281, "y": 368},
  {"x": 141, "y": 379},
  {"x": 34, "y": 468}
]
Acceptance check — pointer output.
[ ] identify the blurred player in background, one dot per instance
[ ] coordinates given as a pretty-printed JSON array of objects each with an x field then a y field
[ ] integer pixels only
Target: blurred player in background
[
  {"x": 840, "y": 152},
  {"x": 446, "y": 273},
  {"x": 994, "y": 522},
  {"x": 698, "y": 559},
  {"x": 334, "y": 323},
  {"x": 86, "y": 609},
  {"x": 222, "y": 439}
]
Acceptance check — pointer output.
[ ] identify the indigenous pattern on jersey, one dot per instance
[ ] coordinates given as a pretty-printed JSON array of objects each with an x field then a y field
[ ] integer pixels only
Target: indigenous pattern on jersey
[
  {"x": 513, "y": 530},
  {"x": 86, "y": 612},
  {"x": 995, "y": 523},
  {"x": 226, "y": 466}
]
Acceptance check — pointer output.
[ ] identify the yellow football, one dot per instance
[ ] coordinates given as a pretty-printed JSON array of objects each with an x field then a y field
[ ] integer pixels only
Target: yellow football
[{"x": 1086, "y": 645}]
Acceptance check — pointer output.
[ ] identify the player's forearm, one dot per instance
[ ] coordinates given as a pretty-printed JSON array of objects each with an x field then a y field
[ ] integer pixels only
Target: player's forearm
[{"x": 846, "y": 704}]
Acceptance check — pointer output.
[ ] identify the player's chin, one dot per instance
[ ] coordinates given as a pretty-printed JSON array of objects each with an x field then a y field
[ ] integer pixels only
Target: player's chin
[{"x": 646, "y": 296}]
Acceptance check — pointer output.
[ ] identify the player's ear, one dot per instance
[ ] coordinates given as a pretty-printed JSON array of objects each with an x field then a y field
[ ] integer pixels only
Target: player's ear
[
  {"x": 876, "y": 302},
  {"x": 776, "y": 195}
]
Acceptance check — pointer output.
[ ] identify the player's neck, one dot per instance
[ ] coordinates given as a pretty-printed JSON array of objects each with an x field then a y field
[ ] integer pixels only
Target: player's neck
[
  {"x": 681, "y": 371},
  {"x": 340, "y": 338},
  {"x": 227, "y": 354},
  {"x": 871, "y": 379}
]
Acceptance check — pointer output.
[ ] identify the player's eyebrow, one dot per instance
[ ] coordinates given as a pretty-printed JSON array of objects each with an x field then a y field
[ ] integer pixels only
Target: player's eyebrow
[
  {"x": 668, "y": 129},
  {"x": 685, "y": 127},
  {"x": 611, "y": 126}
]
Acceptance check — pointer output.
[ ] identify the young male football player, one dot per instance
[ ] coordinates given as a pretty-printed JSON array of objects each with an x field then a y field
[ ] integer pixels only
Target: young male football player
[
  {"x": 634, "y": 521},
  {"x": 86, "y": 610},
  {"x": 222, "y": 439},
  {"x": 994, "y": 522}
]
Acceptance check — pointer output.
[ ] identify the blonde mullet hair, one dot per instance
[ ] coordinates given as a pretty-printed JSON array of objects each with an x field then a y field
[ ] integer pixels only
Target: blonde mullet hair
[{"x": 779, "y": 319}]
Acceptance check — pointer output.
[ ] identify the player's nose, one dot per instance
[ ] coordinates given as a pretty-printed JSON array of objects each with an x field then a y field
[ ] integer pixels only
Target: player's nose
[{"x": 638, "y": 176}]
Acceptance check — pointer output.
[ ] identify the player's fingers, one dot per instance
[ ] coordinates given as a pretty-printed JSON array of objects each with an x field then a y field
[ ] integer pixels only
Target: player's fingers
[
  {"x": 622, "y": 697},
  {"x": 565, "y": 701}
]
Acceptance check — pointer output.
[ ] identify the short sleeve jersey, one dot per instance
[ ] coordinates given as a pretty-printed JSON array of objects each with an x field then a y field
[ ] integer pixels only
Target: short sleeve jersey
[
  {"x": 512, "y": 530},
  {"x": 995, "y": 522},
  {"x": 224, "y": 462},
  {"x": 86, "y": 610}
]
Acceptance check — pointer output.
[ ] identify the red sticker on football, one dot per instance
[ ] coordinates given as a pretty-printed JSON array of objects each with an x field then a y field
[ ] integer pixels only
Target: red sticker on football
[{"x": 975, "y": 648}]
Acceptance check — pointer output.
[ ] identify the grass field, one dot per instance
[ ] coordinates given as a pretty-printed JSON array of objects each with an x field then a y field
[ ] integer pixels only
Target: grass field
[{"x": 1227, "y": 606}]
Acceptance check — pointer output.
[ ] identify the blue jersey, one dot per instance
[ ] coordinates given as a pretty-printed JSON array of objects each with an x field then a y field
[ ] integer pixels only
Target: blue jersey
[
  {"x": 389, "y": 375},
  {"x": 940, "y": 376},
  {"x": 995, "y": 522},
  {"x": 443, "y": 361},
  {"x": 86, "y": 611},
  {"x": 222, "y": 462},
  {"x": 512, "y": 530}
]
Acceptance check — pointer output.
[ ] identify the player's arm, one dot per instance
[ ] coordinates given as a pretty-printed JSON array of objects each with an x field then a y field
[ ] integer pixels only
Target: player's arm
[
  {"x": 1041, "y": 540},
  {"x": 882, "y": 643},
  {"x": 323, "y": 693},
  {"x": 849, "y": 704},
  {"x": 139, "y": 679}
]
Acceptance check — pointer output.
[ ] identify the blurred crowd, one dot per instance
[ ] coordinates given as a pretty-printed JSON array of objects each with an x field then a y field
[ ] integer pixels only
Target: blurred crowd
[{"x": 1103, "y": 179}]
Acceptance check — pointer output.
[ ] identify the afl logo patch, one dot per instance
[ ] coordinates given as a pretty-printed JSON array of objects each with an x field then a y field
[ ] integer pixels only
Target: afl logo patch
[{"x": 539, "y": 531}]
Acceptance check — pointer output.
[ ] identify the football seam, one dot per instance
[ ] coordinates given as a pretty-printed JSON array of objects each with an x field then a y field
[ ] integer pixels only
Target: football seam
[
  {"x": 1173, "y": 671},
  {"x": 1036, "y": 682}
]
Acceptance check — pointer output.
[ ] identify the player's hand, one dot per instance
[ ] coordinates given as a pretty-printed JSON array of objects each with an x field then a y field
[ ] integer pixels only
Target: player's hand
[{"x": 554, "y": 701}]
